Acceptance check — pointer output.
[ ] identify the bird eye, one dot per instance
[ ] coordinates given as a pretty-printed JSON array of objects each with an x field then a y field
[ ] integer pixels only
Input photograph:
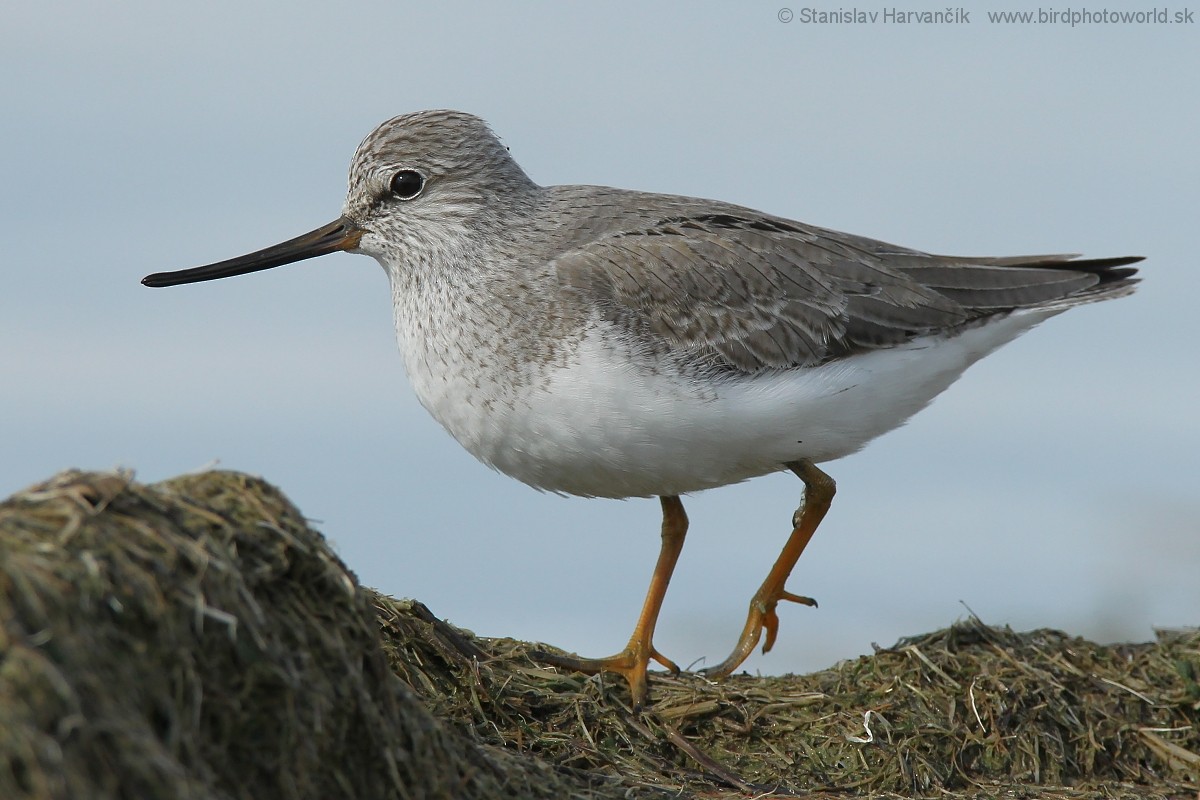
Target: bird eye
[{"x": 407, "y": 184}]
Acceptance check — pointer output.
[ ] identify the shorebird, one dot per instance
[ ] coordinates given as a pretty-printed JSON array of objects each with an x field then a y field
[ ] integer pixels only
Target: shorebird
[{"x": 600, "y": 342}]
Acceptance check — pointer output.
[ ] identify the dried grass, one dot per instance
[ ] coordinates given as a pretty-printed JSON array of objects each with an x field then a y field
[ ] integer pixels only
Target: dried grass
[{"x": 195, "y": 638}]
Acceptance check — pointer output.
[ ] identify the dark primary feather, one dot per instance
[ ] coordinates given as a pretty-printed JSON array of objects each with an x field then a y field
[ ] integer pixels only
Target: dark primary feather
[{"x": 763, "y": 292}]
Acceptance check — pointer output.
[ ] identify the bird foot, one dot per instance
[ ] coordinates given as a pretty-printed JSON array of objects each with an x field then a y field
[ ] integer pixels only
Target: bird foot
[
  {"x": 632, "y": 663},
  {"x": 762, "y": 617}
]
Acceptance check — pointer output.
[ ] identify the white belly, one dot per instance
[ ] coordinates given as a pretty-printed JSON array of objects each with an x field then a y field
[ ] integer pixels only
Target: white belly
[{"x": 605, "y": 426}]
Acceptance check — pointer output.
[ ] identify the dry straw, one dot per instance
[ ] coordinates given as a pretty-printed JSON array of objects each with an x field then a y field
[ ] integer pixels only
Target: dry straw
[{"x": 197, "y": 639}]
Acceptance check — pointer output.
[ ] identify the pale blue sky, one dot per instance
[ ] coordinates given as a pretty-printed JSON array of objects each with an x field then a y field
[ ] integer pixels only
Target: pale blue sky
[{"x": 1055, "y": 485}]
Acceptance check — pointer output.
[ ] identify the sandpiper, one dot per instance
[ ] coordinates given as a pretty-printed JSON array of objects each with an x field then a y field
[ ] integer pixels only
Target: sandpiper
[{"x": 608, "y": 343}]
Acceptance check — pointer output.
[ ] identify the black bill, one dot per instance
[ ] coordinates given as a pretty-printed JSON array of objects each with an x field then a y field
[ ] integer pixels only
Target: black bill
[{"x": 341, "y": 234}]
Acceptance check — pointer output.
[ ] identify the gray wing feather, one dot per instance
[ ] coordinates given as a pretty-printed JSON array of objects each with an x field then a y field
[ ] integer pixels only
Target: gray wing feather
[{"x": 760, "y": 292}]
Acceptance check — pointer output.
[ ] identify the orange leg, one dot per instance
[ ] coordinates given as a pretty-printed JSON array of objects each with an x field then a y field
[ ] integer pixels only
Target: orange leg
[
  {"x": 634, "y": 660},
  {"x": 819, "y": 489}
]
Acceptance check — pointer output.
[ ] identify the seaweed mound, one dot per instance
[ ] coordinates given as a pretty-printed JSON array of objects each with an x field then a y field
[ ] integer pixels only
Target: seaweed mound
[{"x": 196, "y": 639}]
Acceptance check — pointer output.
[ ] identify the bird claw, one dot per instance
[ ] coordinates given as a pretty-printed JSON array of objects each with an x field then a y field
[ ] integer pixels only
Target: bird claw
[
  {"x": 798, "y": 598},
  {"x": 671, "y": 666},
  {"x": 770, "y": 620},
  {"x": 770, "y": 623}
]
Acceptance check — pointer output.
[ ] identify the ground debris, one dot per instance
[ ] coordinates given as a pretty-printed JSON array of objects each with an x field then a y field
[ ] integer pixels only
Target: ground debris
[{"x": 197, "y": 639}]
